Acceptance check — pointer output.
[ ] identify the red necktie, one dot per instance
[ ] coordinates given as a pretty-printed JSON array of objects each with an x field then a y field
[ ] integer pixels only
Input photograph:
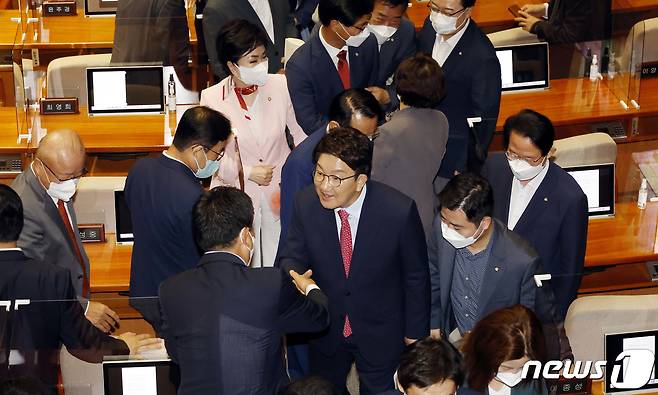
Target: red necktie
[
  {"x": 346, "y": 252},
  {"x": 344, "y": 69},
  {"x": 76, "y": 249}
]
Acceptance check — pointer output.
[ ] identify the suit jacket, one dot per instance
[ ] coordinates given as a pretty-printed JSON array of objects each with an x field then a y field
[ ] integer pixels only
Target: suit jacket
[
  {"x": 473, "y": 86},
  {"x": 296, "y": 174},
  {"x": 395, "y": 50},
  {"x": 313, "y": 80},
  {"x": 386, "y": 295},
  {"x": 408, "y": 154},
  {"x": 554, "y": 223},
  {"x": 509, "y": 277},
  {"x": 160, "y": 193},
  {"x": 304, "y": 11},
  {"x": 223, "y": 323},
  {"x": 44, "y": 236},
  {"x": 262, "y": 140},
  {"x": 218, "y": 13},
  {"x": 152, "y": 31},
  {"x": 574, "y": 21},
  {"x": 36, "y": 331}
]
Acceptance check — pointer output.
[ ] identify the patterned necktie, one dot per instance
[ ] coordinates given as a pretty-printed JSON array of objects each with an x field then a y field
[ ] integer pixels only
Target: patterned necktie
[
  {"x": 344, "y": 69},
  {"x": 346, "y": 252},
  {"x": 74, "y": 240}
]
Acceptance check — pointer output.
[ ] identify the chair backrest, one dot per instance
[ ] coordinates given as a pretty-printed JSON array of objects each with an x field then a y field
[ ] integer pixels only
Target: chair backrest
[
  {"x": 80, "y": 377},
  {"x": 586, "y": 149},
  {"x": 611, "y": 314},
  {"x": 66, "y": 77}
]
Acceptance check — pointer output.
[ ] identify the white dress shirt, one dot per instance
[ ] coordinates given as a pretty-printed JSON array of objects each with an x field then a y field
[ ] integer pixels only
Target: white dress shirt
[
  {"x": 262, "y": 8},
  {"x": 333, "y": 51},
  {"x": 443, "y": 48},
  {"x": 10, "y": 249},
  {"x": 521, "y": 196},
  {"x": 354, "y": 213}
]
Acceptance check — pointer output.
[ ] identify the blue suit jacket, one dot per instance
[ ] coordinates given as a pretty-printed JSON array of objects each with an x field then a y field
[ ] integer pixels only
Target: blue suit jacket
[
  {"x": 554, "y": 223},
  {"x": 295, "y": 176},
  {"x": 387, "y": 294},
  {"x": 161, "y": 193},
  {"x": 473, "y": 86},
  {"x": 313, "y": 80}
]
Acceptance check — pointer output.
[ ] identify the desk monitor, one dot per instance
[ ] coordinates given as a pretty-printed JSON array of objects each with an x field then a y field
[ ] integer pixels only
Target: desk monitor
[
  {"x": 101, "y": 7},
  {"x": 124, "y": 224},
  {"x": 121, "y": 90},
  {"x": 615, "y": 344},
  {"x": 598, "y": 184},
  {"x": 524, "y": 67},
  {"x": 155, "y": 377}
]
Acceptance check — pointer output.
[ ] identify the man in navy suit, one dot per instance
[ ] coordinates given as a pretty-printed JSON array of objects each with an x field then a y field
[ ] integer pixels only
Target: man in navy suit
[
  {"x": 160, "y": 193},
  {"x": 472, "y": 78},
  {"x": 540, "y": 202},
  {"x": 364, "y": 243},
  {"x": 223, "y": 321},
  {"x": 339, "y": 56}
]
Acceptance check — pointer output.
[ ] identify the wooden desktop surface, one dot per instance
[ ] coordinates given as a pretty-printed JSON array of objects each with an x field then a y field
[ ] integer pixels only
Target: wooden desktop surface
[{"x": 8, "y": 28}]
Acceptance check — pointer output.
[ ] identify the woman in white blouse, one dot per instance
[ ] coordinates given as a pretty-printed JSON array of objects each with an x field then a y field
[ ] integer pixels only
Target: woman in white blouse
[{"x": 259, "y": 107}]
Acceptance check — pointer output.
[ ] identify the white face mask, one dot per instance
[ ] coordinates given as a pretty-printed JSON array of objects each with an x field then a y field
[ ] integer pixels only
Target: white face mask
[
  {"x": 355, "y": 41},
  {"x": 252, "y": 249},
  {"x": 456, "y": 239},
  {"x": 509, "y": 379},
  {"x": 256, "y": 75},
  {"x": 382, "y": 32},
  {"x": 523, "y": 170},
  {"x": 443, "y": 24},
  {"x": 64, "y": 190}
]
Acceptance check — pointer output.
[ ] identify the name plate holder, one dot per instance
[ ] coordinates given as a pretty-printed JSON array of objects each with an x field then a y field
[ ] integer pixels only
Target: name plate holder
[
  {"x": 59, "y": 105},
  {"x": 92, "y": 233},
  {"x": 59, "y": 8}
]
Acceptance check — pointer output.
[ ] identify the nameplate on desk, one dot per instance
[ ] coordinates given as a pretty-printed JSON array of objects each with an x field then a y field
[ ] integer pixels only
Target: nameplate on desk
[
  {"x": 572, "y": 386},
  {"x": 59, "y": 8},
  {"x": 649, "y": 70},
  {"x": 58, "y": 105},
  {"x": 92, "y": 233}
]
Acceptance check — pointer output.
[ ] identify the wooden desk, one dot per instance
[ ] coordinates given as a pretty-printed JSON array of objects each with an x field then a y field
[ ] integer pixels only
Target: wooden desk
[
  {"x": 9, "y": 132},
  {"x": 109, "y": 265},
  {"x": 107, "y": 133},
  {"x": 8, "y": 28}
]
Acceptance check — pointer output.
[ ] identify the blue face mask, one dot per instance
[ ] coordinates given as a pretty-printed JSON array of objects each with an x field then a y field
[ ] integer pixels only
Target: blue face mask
[{"x": 208, "y": 170}]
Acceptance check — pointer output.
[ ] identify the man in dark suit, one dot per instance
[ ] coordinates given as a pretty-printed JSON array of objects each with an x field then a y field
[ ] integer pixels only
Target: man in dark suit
[
  {"x": 51, "y": 233},
  {"x": 273, "y": 16},
  {"x": 477, "y": 266},
  {"x": 473, "y": 82},
  {"x": 40, "y": 312},
  {"x": 540, "y": 202},
  {"x": 222, "y": 320},
  {"x": 365, "y": 244},
  {"x": 160, "y": 193},
  {"x": 339, "y": 56}
]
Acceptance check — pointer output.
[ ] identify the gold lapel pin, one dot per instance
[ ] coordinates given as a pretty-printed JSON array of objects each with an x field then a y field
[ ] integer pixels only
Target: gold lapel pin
[
  {"x": 546, "y": 199},
  {"x": 269, "y": 98},
  {"x": 496, "y": 269}
]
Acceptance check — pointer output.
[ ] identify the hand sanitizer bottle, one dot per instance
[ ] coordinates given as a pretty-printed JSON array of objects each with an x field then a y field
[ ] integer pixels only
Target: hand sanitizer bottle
[
  {"x": 612, "y": 71},
  {"x": 171, "y": 94},
  {"x": 594, "y": 69},
  {"x": 642, "y": 195}
]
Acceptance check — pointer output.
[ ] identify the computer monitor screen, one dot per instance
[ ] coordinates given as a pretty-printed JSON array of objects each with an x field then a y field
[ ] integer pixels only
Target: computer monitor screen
[
  {"x": 122, "y": 217},
  {"x": 140, "y": 377},
  {"x": 598, "y": 184},
  {"x": 617, "y": 343},
  {"x": 117, "y": 90},
  {"x": 524, "y": 67},
  {"x": 101, "y": 7}
]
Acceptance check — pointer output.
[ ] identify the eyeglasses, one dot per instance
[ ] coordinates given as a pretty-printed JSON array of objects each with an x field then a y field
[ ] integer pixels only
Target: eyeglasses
[
  {"x": 512, "y": 156},
  {"x": 334, "y": 181},
  {"x": 220, "y": 155},
  {"x": 434, "y": 8},
  {"x": 82, "y": 173}
]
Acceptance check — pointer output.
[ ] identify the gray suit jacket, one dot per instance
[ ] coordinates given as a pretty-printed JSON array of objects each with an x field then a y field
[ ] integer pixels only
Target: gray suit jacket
[
  {"x": 218, "y": 13},
  {"x": 408, "y": 154},
  {"x": 44, "y": 236}
]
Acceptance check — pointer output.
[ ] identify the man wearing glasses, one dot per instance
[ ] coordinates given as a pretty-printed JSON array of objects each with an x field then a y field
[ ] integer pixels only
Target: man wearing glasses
[
  {"x": 472, "y": 80},
  {"x": 540, "y": 201},
  {"x": 160, "y": 193},
  {"x": 365, "y": 245},
  {"x": 50, "y": 233}
]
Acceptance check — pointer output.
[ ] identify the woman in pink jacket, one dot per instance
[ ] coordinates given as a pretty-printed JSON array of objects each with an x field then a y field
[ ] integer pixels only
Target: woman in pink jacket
[{"x": 259, "y": 107}]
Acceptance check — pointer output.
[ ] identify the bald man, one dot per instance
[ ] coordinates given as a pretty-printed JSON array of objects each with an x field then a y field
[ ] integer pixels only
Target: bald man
[{"x": 50, "y": 233}]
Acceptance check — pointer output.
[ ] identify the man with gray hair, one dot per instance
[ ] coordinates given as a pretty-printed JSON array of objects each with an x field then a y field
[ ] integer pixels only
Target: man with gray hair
[{"x": 50, "y": 233}]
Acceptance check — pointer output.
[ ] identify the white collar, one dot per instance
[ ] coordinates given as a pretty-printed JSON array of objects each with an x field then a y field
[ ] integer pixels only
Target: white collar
[
  {"x": 333, "y": 51},
  {"x": 10, "y": 249},
  {"x": 534, "y": 183},
  {"x": 452, "y": 41},
  {"x": 355, "y": 208}
]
